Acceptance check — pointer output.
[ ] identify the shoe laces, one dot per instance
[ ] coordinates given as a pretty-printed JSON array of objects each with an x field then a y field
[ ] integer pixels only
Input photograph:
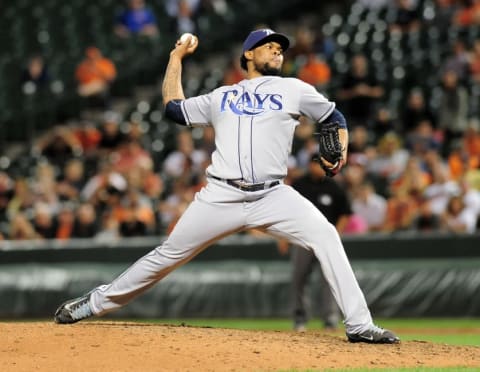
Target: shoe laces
[
  {"x": 377, "y": 330},
  {"x": 80, "y": 309}
]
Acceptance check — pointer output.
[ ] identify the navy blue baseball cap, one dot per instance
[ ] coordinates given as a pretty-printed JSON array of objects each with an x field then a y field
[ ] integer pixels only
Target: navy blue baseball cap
[{"x": 260, "y": 37}]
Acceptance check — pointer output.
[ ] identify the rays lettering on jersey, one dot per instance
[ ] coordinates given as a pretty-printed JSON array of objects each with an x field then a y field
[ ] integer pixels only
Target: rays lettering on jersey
[{"x": 250, "y": 103}]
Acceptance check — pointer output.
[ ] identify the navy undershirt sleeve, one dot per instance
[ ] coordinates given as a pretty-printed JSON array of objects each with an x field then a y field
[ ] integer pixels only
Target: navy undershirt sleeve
[
  {"x": 336, "y": 116},
  {"x": 174, "y": 112}
]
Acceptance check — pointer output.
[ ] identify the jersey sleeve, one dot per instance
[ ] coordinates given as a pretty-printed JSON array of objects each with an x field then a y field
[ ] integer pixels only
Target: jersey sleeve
[
  {"x": 197, "y": 110},
  {"x": 314, "y": 104}
]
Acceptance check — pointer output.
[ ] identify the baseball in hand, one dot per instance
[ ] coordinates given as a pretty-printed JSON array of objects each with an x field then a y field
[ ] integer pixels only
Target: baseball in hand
[{"x": 185, "y": 36}]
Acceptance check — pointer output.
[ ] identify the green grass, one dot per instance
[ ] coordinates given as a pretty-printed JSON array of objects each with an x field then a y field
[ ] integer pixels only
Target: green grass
[
  {"x": 423, "y": 369},
  {"x": 463, "y": 331}
]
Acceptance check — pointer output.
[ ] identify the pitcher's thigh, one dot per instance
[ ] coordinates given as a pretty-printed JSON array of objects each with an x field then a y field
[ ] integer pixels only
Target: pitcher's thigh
[
  {"x": 204, "y": 223},
  {"x": 288, "y": 214}
]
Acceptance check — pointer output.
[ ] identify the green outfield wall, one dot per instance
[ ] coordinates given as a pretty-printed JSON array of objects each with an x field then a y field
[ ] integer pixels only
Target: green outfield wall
[{"x": 242, "y": 276}]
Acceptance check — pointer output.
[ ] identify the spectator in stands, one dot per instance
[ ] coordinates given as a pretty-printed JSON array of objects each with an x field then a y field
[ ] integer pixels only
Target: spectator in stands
[
  {"x": 390, "y": 159},
  {"x": 234, "y": 73},
  {"x": 43, "y": 186},
  {"x": 444, "y": 13},
  {"x": 303, "y": 146},
  {"x": 65, "y": 222},
  {"x": 470, "y": 195},
  {"x": 108, "y": 230},
  {"x": 58, "y": 145},
  {"x": 146, "y": 181},
  {"x": 369, "y": 205},
  {"x": 22, "y": 199},
  {"x": 103, "y": 186},
  {"x": 94, "y": 75},
  {"x": 468, "y": 14},
  {"x": 402, "y": 209},
  {"x": 459, "y": 161},
  {"x": 36, "y": 72},
  {"x": 21, "y": 228},
  {"x": 359, "y": 92},
  {"x": 137, "y": 19},
  {"x": 131, "y": 224},
  {"x": 186, "y": 160},
  {"x": 85, "y": 225},
  {"x": 457, "y": 218},
  {"x": 44, "y": 222},
  {"x": 442, "y": 187},
  {"x": 314, "y": 71},
  {"x": 471, "y": 138},
  {"x": 423, "y": 139},
  {"x": 353, "y": 175},
  {"x": 303, "y": 155},
  {"x": 130, "y": 155},
  {"x": 416, "y": 112},
  {"x": 426, "y": 220},
  {"x": 137, "y": 216},
  {"x": 474, "y": 62},
  {"x": 172, "y": 207},
  {"x": 135, "y": 130},
  {"x": 88, "y": 136},
  {"x": 71, "y": 181},
  {"x": 183, "y": 14},
  {"x": 459, "y": 60},
  {"x": 295, "y": 56},
  {"x": 110, "y": 133},
  {"x": 304, "y": 39},
  {"x": 6, "y": 193},
  {"x": 359, "y": 145},
  {"x": 414, "y": 179},
  {"x": 407, "y": 17},
  {"x": 383, "y": 123},
  {"x": 453, "y": 109}
]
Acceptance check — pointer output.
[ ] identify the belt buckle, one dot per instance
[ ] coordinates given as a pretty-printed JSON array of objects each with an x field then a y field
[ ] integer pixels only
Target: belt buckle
[
  {"x": 245, "y": 186},
  {"x": 242, "y": 185}
]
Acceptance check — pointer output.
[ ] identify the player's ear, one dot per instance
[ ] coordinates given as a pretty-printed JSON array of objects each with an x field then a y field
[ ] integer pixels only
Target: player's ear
[{"x": 248, "y": 55}]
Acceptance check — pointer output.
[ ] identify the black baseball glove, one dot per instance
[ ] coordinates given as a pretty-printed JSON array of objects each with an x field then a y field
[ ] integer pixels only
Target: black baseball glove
[{"x": 330, "y": 152}]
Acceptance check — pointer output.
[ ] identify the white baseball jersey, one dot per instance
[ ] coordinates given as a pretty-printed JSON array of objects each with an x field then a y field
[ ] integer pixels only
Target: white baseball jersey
[{"x": 254, "y": 123}]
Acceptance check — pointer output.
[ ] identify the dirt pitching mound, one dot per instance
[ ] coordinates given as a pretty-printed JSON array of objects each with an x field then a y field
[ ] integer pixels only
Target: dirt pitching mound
[{"x": 119, "y": 346}]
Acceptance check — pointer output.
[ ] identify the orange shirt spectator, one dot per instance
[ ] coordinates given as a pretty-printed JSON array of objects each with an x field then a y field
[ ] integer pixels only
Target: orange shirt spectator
[
  {"x": 315, "y": 71},
  {"x": 66, "y": 221},
  {"x": 469, "y": 14},
  {"x": 459, "y": 162},
  {"x": 95, "y": 73},
  {"x": 471, "y": 140},
  {"x": 402, "y": 209}
]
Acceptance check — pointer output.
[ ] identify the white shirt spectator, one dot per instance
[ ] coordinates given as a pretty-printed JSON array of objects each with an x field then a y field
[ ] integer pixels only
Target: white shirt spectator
[
  {"x": 369, "y": 205},
  {"x": 439, "y": 194}
]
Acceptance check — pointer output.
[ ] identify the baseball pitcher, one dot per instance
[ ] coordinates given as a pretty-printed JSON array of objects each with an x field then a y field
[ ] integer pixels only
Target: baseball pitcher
[{"x": 254, "y": 123}]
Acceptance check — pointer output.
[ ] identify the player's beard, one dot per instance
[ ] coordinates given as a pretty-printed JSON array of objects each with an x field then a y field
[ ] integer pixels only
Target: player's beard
[{"x": 267, "y": 70}]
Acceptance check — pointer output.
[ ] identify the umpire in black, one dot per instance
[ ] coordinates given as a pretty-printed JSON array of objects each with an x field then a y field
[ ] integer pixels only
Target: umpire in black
[{"x": 332, "y": 200}]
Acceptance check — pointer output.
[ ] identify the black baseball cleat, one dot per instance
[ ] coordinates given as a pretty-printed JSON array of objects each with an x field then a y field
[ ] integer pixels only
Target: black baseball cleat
[
  {"x": 73, "y": 310},
  {"x": 374, "y": 335}
]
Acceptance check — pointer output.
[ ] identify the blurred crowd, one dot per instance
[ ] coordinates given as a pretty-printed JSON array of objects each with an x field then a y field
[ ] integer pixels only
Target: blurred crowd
[{"x": 413, "y": 166}]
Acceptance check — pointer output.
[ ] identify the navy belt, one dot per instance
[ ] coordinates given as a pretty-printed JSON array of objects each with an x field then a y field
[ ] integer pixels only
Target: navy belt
[{"x": 247, "y": 186}]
